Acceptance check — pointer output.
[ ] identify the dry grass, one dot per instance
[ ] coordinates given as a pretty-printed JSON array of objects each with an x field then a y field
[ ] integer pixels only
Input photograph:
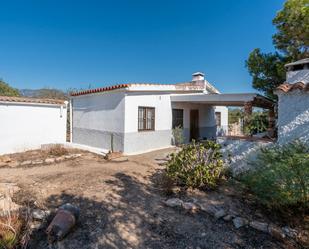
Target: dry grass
[
  {"x": 14, "y": 228},
  {"x": 57, "y": 150}
]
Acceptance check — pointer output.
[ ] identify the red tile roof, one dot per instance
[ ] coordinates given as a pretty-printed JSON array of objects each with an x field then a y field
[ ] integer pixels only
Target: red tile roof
[
  {"x": 101, "y": 89},
  {"x": 31, "y": 100},
  {"x": 110, "y": 88},
  {"x": 286, "y": 87}
]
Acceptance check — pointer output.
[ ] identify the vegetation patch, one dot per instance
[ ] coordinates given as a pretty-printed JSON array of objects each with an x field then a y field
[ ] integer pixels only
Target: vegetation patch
[
  {"x": 280, "y": 176},
  {"x": 197, "y": 165}
]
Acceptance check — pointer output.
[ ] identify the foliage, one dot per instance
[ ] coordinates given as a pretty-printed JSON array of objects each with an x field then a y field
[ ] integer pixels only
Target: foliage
[
  {"x": 256, "y": 123},
  {"x": 235, "y": 115},
  {"x": 6, "y": 90},
  {"x": 280, "y": 175},
  {"x": 292, "y": 38},
  {"x": 267, "y": 71},
  {"x": 178, "y": 135},
  {"x": 292, "y": 23},
  {"x": 197, "y": 165}
]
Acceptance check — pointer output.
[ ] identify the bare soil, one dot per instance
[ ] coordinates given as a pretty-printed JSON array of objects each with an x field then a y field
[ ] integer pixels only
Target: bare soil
[{"x": 122, "y": 206}]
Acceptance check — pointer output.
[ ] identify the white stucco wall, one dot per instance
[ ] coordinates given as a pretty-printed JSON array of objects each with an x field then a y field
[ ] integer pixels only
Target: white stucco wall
[
  {"x": 141, "y": 141},
  {"x": 293, "y": 116},
  {"x": 223, "y": 130},
  {"x": 238, "y": 153},
  {"x": 28, "y": 126},
  {"x": 297, "y": 76},
  {"x": 96, "y": 117}
]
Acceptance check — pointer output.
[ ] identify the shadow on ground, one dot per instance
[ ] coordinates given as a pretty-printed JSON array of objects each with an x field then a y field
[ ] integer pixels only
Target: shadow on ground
[{"x": 133, "y": 216}]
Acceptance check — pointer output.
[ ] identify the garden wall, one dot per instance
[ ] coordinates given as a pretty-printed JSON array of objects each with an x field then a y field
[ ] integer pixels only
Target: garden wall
[{"x": 237, "y": 151}]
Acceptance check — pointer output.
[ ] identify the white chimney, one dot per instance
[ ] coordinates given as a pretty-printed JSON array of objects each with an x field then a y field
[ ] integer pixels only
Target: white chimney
[{"x": 197, "y": 76}]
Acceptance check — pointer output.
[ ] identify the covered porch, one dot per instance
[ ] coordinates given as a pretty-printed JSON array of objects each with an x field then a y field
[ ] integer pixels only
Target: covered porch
[{"x": 206, "y": 114}]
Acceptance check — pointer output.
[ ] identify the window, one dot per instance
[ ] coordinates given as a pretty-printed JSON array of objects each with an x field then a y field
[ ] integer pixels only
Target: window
[
  {"x": 146, "y": 118},
  {"x": 177, "y": 118},
  {"x": 218, "y": 118}
]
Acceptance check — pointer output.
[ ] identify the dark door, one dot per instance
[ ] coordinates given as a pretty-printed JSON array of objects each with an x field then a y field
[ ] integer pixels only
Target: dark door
[{"x": 194, "y": 129}]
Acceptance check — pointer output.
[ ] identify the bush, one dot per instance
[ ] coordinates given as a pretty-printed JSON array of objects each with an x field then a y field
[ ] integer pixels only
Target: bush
[
  {"x": 197, "y": 165},
  {"x": 178, "y": 136},
  {"x": 280, "y": 176}
]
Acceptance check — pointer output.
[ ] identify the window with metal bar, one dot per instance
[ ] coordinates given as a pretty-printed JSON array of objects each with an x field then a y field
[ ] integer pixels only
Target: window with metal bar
[{"x": 146, "y": 118}]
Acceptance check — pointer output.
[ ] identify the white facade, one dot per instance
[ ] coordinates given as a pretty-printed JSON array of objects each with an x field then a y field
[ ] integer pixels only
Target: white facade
[
  {"x": 293, "y": 103},
  {"x": 27, "y": 126},
  {"x": 108, "y": 119},
  {"x": 293, "y": 116}
]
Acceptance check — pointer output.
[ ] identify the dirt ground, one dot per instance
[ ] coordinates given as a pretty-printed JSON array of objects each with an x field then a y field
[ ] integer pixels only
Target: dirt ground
[{"x": 122, "y": 207}]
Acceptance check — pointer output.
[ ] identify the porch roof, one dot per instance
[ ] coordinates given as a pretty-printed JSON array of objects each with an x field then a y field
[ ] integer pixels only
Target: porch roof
[{"x": 227, "y": 99}]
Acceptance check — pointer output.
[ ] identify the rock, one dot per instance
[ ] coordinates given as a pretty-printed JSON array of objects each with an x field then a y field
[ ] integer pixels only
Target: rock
[
  {"x": 174, "y": 202},
  {"x": 189, "y": 206},
  {"x": 35, "y": 225},
  {"x": 36, "y": 162},
  {"x": 5, "y": 159},
  {"x": 292, "y": 233},
  {"x": 39, "y": 214},
  {"x": 276, "y": 232},
  {"x": 210, "y": 209},
  {"x": 220, "y": 213},
  {"x": 28, "y": 162},
  {"x": 59, "y": 159},
  {"x": 261, "y": 226},
  {"x": 13, "y": 164},
  {"x": 227, "y": 217},
  {"x": 68, "y": 156},
  {"x": 76, "y": 155},
  {"x": 239, "y": 222},
  {"x": 49, "y": 160},
  {"x": 3, "y": 164}
]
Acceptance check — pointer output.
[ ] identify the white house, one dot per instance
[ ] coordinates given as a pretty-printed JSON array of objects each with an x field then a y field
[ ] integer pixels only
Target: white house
[
  {"x": 134, "y": 118},
  {"x": 293, "y": 104},
  {"x": 27, "y": 123}
]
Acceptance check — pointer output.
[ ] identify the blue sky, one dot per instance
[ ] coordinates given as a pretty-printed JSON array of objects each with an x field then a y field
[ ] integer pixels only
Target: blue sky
[{"x": 74, "y": 44}]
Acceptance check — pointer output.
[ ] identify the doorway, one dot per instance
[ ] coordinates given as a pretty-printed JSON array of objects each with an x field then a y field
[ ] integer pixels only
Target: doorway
[{"x": 194, "y": 127}]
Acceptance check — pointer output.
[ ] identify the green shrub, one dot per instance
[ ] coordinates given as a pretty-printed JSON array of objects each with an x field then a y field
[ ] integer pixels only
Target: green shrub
[
  {"x": 281, "y": 175},
  {"x": 178, "y": 135},
  {"x": 197, "y": 165}
]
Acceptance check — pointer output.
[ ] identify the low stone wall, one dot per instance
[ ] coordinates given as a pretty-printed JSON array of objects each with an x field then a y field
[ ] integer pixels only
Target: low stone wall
[{"x": 238, "y": 152}]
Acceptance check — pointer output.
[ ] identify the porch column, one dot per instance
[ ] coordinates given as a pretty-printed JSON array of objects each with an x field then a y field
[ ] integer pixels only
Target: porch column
[
  {"x": 247, "y": 115},
  {"x": 271, "y": 122}
]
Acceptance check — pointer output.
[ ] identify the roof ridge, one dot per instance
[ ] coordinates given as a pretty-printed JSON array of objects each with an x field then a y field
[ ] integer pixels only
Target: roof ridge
[{"x": 30, "y": 100}]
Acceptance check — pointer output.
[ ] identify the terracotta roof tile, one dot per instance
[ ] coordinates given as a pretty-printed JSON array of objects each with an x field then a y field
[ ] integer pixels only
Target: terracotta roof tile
[
  {"x": 100, "y": 89},
  {"x": 286, "y": 87},
  {"x": 114, "y": 87},
  {"x": 31, "y": 100}
]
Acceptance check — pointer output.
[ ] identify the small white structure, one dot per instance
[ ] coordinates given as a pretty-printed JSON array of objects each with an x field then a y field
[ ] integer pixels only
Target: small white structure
[
  {"x": 27, "y": 123},
  {"x": 293, "y": 104},
  {"x": 134, "y": 118}
]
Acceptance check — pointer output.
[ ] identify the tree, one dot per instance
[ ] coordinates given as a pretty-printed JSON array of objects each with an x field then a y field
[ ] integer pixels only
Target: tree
[
  {"x": 292, "y": 24},
  {"x": 6, "y": 90},
  {"x": 267, "y": 71},
  {"x": 292, "y": 41}
]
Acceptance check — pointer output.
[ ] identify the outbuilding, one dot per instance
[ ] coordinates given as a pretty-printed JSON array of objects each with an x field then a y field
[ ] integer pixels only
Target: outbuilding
[
  {"x": 293, "y": 103},
  {"x": 28, "y": 123}
]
